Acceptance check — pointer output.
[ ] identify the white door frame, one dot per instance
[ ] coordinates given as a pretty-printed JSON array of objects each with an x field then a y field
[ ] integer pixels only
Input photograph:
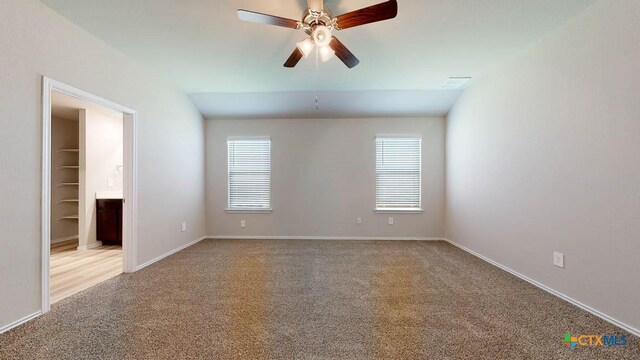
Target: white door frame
[{"x": 129, "y": 221}]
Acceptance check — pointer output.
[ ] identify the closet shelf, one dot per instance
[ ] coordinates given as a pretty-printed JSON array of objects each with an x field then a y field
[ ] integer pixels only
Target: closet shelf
[
  {"x": 68, "y": 184},
  {"x": 68, "y": 201},
  {"x": 68, "y": 150},
  {"x": 70, "y": 217},
  {"x": 69, "y": 167}
]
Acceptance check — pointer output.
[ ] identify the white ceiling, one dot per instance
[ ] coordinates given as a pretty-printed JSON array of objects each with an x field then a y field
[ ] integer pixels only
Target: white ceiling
[{"x": 234, "y": 69}]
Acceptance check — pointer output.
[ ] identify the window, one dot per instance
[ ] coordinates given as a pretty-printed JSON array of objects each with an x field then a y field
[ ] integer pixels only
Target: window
[
  {"x": 249, "y": 172},
  {"x": 398, "y": 173}
]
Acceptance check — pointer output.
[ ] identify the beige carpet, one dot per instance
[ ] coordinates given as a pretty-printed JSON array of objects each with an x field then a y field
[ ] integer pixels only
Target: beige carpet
[{"x": 313, "y": 300}]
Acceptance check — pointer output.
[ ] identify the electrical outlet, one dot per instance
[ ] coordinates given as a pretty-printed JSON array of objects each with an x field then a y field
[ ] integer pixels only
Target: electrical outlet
[
  {"x": 109, "y": 183},
  {"x": 243, "y": 223},
  {"x": 558, "y": 259},
  {"x": 391, "y": 220},
  {"x": 184, "y": 227},
  {"x": 359, "y": 220}
]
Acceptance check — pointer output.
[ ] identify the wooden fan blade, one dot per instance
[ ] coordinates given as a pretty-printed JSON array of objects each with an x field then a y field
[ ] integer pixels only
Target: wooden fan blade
[
  {"x": 315, "y": 5},
  {"x": 293, "y": 60},
  {"x": 256, "y": 17},
  {"x": 383, "y": 11},
  {"x": 343, "y": 53}
]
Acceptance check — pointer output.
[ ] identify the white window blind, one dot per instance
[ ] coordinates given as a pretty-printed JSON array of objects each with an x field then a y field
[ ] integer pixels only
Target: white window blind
[
  {"x": 249, "y": 166},
  {"x": 398, "y": 168}
]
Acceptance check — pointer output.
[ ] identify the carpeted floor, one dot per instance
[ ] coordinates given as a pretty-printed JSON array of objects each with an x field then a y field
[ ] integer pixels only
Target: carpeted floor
[{"x": 313, "y": 300}]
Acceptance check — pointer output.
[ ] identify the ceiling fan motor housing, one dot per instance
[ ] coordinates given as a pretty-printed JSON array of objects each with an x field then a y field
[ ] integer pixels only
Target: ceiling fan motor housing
[{"x": 311, "y": 19}]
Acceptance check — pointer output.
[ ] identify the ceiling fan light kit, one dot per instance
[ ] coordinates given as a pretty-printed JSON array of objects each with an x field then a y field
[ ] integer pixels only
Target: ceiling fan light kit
[
  {"x": 306, "y": 47},
  {"x": 321, "y": 35},
  {"x": 318, "y": 23},
  {"x": 326, "y": 53}
]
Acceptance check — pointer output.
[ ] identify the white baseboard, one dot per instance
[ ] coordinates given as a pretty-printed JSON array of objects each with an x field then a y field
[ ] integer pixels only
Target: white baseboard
[
  {"x": 237, "y": 237},
  {"x": 169, "y": 253},
  {"x": 562, "y": 296},
  {"x": 90, "y": 246},
  {"x": 18, "y": 322},
  {"x": 66, "y": 238}
]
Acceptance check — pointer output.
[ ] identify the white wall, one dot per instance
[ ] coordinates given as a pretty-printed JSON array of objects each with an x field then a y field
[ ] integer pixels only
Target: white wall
[
  {"x": 64, "y": 134},
  {"x": 323, "y": 178},
  {"x": 35, "y": 41},
  {"x": 544, "y": 155},
  {"x": 101, "y": 161}
]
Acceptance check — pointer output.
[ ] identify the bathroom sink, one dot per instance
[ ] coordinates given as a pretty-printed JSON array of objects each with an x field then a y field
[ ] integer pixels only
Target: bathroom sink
[{"x": 109, "y": 195}]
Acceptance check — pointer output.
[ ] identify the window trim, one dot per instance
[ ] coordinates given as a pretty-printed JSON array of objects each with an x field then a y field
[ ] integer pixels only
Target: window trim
[
  {"x": 236, "y": 138},
  {"x": 376, "y": 209},
  {"x": 249, "y": 210},
  {"x": 399, "y": 211},
  {"x": 230, "y": 210}
]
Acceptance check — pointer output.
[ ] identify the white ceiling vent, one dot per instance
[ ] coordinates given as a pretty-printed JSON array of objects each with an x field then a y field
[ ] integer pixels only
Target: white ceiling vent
[{"x": 454, "y": 82}]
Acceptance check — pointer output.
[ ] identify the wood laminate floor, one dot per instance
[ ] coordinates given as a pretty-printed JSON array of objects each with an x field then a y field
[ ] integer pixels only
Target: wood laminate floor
[{"x": 73, "y": 270}]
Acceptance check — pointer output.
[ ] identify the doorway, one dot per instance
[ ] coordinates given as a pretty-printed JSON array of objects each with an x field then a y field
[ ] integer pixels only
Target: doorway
[{"x": 88, "y": 194}]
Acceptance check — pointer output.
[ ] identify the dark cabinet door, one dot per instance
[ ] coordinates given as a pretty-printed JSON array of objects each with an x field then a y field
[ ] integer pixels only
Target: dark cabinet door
[{"x": 109, "y": 221}]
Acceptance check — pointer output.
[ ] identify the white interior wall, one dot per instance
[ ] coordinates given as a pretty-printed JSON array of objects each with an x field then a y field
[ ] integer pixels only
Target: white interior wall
[
  {"x": 64, "y": 134},
  {"x": 544, "y": 156},
  {"x": 554, "y": 133},
  {"x": 101, "y": 162},
  {"x": 323, "y": 178},
  {"x": 36, "y": 41}
]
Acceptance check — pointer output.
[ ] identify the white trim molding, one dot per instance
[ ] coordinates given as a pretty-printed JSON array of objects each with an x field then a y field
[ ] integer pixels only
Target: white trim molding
[
  {"x": 129, "y": 234},
  {"x": 90, "y": 246},
  {"x": 551, "y": 291},
  {"x": 19, "y": 322},
  {"x": 249, "y": 211},
  {"x": 45, "y": 205},
  {"x": 130, "y": 193},
  {"x": 66, "y": 238},
  {"x": 141, "y": 266},
  {"x": 399, "y": 136},
  {"x": 257, "y": 137},
  {"x": 374, "y": 238},
  {"x": 398, "y": 211}
]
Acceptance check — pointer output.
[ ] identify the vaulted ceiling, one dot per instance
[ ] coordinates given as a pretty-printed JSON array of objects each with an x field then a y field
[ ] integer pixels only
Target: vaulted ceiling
[{"x": 233, "y": 69}]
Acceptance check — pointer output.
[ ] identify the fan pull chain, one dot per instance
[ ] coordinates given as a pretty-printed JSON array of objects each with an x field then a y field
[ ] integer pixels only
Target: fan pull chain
[{"x": 317, "y": 104}]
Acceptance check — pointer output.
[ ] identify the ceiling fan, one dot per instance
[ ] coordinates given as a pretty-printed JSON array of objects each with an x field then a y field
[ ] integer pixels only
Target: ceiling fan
[{"x": 318, "y": 23}]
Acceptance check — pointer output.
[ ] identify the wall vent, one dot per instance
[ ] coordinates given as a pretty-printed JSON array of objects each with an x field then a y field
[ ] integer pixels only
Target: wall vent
[{"x": 455, "y": 82}]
